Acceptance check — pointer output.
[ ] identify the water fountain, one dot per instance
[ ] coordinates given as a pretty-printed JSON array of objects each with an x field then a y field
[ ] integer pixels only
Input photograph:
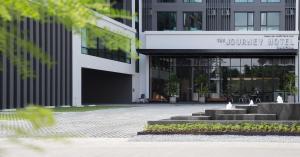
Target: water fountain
[
  {"x": 279, "y": 99},
  {"x": 251, "y": 103},
  {"x": 229, "y": 106}
]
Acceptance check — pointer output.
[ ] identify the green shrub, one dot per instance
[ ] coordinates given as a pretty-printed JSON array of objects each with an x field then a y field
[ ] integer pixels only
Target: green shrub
[{"x": 244, "y": 127}]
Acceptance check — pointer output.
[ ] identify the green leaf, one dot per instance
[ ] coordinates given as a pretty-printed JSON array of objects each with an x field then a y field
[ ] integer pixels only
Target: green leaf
[{"x": 4, "y": 13}]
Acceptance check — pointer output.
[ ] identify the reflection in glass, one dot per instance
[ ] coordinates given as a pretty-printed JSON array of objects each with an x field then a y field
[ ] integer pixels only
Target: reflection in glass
[
  {"x": 192, "y": 21},
  {"x": 166, "y": 21},
  {"x": 270, "y": 21},
  {"x": 244, "y": 21},
  {"x": 261, "y": 77},
  {"x": 225, "y": 61},
  {"x": 235, "y": 62}
]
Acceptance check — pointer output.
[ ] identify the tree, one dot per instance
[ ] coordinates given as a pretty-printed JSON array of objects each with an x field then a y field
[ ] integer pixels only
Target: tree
[{"x": 75, "y": 15}]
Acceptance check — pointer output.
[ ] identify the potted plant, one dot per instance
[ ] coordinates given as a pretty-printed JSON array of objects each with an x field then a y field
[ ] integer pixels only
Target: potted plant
[
  {"x": 201, "y": 87},
  {"x": 173, "y": 86},
  {"x": 290, "y": 87}
]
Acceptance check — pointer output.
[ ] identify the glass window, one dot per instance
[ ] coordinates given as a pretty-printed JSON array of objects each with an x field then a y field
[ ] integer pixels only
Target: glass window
[
  {"x": 166, "y": 21},
  {"x": 244, "y": 1},
  {"x": 235, "y": 62},
  {"x": 246, "y": 62},
  {"x": 192, "y": 21},
  {"x": 95, "y": 46},
  {"x": 270, "y": 21},
  {"x": 259, "y": 77},
  {"x": 192, "y": 1},
  {"x": 270, "y": 1},
  {"x": 244, "y": 21},
  {"x": 225, "y": 61}
]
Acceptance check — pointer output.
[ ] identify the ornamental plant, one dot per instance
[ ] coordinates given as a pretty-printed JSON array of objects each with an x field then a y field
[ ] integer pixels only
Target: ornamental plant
[
  {"x": 290, "y": 84},
  {"x": 173, "y": 85},
  {"x": 201, "y": 85}
]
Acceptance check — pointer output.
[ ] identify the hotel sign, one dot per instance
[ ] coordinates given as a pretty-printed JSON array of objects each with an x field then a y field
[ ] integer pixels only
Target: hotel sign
[
  {"x": 215, "y": 40},
  {"x": 266, "y": 41}
]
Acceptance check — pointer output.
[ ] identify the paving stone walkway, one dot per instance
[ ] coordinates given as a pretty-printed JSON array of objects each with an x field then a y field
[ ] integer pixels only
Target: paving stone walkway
[{"x": 113, "y": 123}]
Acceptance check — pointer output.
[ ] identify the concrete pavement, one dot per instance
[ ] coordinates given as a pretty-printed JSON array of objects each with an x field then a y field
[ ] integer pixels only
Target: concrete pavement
[{"x": 121, "y": 147}]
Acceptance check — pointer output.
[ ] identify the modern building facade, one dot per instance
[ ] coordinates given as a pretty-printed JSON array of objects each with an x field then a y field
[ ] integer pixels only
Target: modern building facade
[
  {"x": 242, "y": 48},
  {"x": 80, "y": 75}
]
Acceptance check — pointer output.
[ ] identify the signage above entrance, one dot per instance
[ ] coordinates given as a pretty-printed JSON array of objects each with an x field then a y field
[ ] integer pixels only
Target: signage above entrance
[
  {"x": 271, "y": 41},
  {"x": 221, "y": 40}
]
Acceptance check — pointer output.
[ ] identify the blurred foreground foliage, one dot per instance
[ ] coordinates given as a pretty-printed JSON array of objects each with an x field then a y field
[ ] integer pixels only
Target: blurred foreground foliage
[
  {"x": 74, "y": 15},
  {"x": 25, "y": 123},
  {"x": 37, "y": 117}
]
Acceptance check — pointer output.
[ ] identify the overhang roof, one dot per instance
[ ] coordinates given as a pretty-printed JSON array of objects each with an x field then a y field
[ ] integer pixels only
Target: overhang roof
[{"x": 219, "y": 52}]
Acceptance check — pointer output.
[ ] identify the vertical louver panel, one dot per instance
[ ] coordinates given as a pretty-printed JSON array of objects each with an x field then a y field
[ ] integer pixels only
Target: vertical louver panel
[
  {"x": 218, "y": 15},
  {"x": 50, "y": 86},
  {"x": 290, "y": 15},
  {"x": 147, "y": 15}
]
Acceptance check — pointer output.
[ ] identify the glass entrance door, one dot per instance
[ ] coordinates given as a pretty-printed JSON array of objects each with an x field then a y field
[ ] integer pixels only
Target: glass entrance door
[{"x": 184, "y": 75}]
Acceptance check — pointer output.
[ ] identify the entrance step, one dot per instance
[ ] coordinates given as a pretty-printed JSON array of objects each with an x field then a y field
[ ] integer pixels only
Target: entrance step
[
  {"x": 190, "y": 118},
  {"x": 250, "y": 109},
  {"x": 213, "y": 112},
  {"x": 199, "y": 114},
  {"x": 246, "y": 117}
]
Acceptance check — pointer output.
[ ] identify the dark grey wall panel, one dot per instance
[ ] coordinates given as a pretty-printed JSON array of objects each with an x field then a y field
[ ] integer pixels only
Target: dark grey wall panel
[
  {"x": 4, "y": 80},
  {"x": 105, "y": 87},
  {"x": 50, "y": 86},
  {"x": 1, "y": 84}
]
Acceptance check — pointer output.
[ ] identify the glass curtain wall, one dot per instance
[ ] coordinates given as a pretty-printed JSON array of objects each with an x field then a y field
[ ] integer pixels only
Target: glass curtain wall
[
  {"x": 94, "y": 46},
  {"x": 240, "y": 79}
]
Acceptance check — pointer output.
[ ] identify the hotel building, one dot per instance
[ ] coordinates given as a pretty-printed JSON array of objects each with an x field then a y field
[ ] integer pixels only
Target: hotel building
[{"x": 243, "y": 48}]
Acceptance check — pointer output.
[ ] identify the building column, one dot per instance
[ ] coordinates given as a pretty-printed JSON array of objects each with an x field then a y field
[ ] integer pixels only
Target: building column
[
  {"x": 77, "y": 74},
  {"x": 133, "y": 13},
  {"x": 144, "y": 75},
  {"x": 297, "y": 59},
  {"x": 297, "y": 15},
  {"x": 140, "y": 12}
]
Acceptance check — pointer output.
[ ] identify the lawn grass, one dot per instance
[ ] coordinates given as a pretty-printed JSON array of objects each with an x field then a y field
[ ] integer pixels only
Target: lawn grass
[
  {"x": 243, "y": 128},
  {"x": 9, "y": 116},
  {"x": 84, "y": 108},
  {"x": 12, "y": 114}
]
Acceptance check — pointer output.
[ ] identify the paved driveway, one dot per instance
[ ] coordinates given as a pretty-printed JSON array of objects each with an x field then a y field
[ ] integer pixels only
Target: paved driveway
[
  {"x": 126, "y": 122},
  {"x": 115, "y": 123},
  {"x": 121, "y": 122}
]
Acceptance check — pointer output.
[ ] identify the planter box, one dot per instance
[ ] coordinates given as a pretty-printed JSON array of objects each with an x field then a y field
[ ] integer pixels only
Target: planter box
[
  {"x": 173, "y": 100},
  {"x": 285, "y": 111},
  {"x": 202, "y": 99},
  {"x": 291, "y": 99}
]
